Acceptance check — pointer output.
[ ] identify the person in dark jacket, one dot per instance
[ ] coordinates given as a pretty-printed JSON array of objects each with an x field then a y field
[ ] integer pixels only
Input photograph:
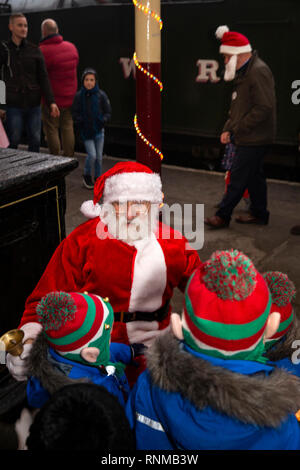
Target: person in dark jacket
[
  {"x": 24, "y": 73},
  {"x": 208, "y": 386},
  {"x": 90, "y": 419},
  {"x": 250, "y": 125},
  {"x": 61, "y": 58},
  {"x": 91, "y": 111}
]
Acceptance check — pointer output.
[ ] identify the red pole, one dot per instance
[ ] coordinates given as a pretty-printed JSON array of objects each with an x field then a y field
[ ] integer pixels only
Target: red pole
[{"x": 148, "y": 90}]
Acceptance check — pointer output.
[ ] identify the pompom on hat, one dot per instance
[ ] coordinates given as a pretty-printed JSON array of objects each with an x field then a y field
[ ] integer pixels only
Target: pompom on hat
[
  {"x": 283, "y": 293},
  {"x": 73, "y": 321},
  {"x": 226, "y": 307},
  {"x": 232, "y": 42},
  {"x": 125, "y": 181}
]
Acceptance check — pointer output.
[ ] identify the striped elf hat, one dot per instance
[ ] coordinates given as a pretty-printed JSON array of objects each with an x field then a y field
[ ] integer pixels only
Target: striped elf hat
[
  {"x": 283, "y": 293},
  {"x": 226, "y": 308},
  {"x": 74, "y": 321}
]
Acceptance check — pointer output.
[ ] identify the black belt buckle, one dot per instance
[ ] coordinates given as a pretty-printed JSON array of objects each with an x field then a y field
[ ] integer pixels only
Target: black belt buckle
[{"x": 158, "y": 315}]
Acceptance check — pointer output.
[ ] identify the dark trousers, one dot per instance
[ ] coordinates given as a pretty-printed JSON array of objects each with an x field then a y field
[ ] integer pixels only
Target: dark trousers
[
  {"x": 247, "y": 172},
  {"x": 19, "y": 118}
]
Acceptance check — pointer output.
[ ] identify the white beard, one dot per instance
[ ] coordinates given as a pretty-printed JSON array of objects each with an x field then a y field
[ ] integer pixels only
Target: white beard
[
  {"x": 230, "y": 69},
  {"x": 141, "y": 227}
]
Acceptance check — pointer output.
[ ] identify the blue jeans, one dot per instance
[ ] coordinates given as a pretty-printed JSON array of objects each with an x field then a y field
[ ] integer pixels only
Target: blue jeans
[
  {"x": 94, "y": 150},
  {"x": 19, "y": 118}
]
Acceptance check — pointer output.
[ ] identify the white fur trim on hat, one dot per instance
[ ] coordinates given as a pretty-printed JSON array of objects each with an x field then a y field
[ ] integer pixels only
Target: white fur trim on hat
[
  {"x": 90, "y": 210},
  {"x": 135, "y": 186},
  {"x": 220, "y": 31},
  {"x": 232, "y": 50}
]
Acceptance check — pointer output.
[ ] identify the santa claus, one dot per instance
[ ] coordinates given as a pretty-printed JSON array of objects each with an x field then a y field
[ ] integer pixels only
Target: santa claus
[{"x": 124, "y": 253}]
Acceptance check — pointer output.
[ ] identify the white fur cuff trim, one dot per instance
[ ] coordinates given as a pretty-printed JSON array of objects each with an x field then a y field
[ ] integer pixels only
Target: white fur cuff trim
[
  {"x": 90, "y": 210},
  {"x": 234, "y": 50},
  {"x": 133, "y": 187}
]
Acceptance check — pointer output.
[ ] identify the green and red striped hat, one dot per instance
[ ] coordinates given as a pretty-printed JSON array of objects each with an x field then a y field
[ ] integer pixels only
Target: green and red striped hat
[
  {"x": 283, "y": 293},
  {"x": 73, "y": 321},
  {"x": 226, "y": 307}
]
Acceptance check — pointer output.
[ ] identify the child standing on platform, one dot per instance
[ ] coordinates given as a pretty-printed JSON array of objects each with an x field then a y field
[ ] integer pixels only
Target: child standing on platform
[{"x": 91, "y": 111}]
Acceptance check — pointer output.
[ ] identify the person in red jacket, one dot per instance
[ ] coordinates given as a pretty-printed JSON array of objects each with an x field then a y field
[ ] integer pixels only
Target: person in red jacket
[
  {"x": 61, "y": 58},
  {"x": 122, "y": 253}
]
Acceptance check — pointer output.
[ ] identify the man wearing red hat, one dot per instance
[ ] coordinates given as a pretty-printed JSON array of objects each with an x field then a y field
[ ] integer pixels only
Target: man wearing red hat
[
  {"x": 122, "y": 253},
  {"x": 250, "y": 126}
]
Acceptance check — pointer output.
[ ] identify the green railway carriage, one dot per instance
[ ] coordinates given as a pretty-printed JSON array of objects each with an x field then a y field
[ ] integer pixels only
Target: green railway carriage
[{"x": 195, "y": 99}]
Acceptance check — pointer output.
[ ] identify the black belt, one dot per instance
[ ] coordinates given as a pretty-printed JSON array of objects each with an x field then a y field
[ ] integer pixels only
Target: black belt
[{"x": 157, "y": 315}]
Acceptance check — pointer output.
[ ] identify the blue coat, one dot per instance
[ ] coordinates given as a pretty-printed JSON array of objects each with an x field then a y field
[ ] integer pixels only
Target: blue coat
[
  {"x": 165, "y": 418},
  {"x": 288, "y": 365},
  {"x": 37, "y": 395}
]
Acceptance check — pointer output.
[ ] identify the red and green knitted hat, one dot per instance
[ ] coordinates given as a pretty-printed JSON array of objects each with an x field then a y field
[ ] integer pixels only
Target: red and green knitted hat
[
  {"x": 226, "y": 307},
  {"x": 283, "y": 293},
  {"x": 73, "y": 321}
]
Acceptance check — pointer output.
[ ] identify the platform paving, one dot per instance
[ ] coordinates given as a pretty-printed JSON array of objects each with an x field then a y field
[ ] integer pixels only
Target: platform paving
[{"x": 271, "y": 247}]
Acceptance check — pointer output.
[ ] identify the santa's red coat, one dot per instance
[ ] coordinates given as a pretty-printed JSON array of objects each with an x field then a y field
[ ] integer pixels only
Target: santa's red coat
[{"x": 141, "y": 278}]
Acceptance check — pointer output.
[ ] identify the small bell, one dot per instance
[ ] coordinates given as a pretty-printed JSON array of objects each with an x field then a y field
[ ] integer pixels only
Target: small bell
[{"x": 12, "y": 341}]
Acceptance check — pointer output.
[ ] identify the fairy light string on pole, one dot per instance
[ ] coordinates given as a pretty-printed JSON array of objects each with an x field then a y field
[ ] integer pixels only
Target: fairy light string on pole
[{"x": 147, "y": 11}]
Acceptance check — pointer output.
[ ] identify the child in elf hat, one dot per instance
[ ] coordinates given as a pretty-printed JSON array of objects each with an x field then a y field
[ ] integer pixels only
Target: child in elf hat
[
  {"x": 208, "y": 386},
  {"x": 279, "y": 347},
  {"x": 74, "y": 345}
]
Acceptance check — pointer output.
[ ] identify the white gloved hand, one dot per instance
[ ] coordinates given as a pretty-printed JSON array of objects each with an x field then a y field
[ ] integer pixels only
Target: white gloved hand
[
  {"x": 144, "y": 332},
  {"x": 16, "y": 364}
]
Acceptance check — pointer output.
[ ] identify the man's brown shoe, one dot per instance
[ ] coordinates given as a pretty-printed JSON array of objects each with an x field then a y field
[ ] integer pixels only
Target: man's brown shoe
[
  {"x": 250, "y": 219},
  {"x": 216, "y": 222},
  {"x": 295, "y": 230}
]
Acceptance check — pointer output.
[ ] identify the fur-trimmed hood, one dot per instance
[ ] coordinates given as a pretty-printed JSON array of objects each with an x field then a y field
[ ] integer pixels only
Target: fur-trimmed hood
[
  {"x": 258, "y": 399},
  {"x": 49, "y": 373}
]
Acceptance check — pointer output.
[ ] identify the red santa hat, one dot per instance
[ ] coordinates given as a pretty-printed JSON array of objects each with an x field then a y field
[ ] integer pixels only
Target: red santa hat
[
  {"x": 232, "y": 43},
  {"x": 125, "y": 181}
]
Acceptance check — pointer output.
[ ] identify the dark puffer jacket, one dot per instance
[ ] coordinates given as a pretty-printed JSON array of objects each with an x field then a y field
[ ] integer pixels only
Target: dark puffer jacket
[
  {"x": 25, "y": 75},
  {"x": 252, "y": 114}
]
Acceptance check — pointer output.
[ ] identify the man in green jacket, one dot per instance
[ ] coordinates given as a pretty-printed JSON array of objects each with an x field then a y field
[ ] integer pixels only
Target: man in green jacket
[{"x": 250, "y": 126}]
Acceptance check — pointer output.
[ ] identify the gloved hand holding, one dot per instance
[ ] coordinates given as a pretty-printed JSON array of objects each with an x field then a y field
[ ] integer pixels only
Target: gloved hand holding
[
  {"x": 144, "y": 332},
  {"x": 16, "y": 364}
]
